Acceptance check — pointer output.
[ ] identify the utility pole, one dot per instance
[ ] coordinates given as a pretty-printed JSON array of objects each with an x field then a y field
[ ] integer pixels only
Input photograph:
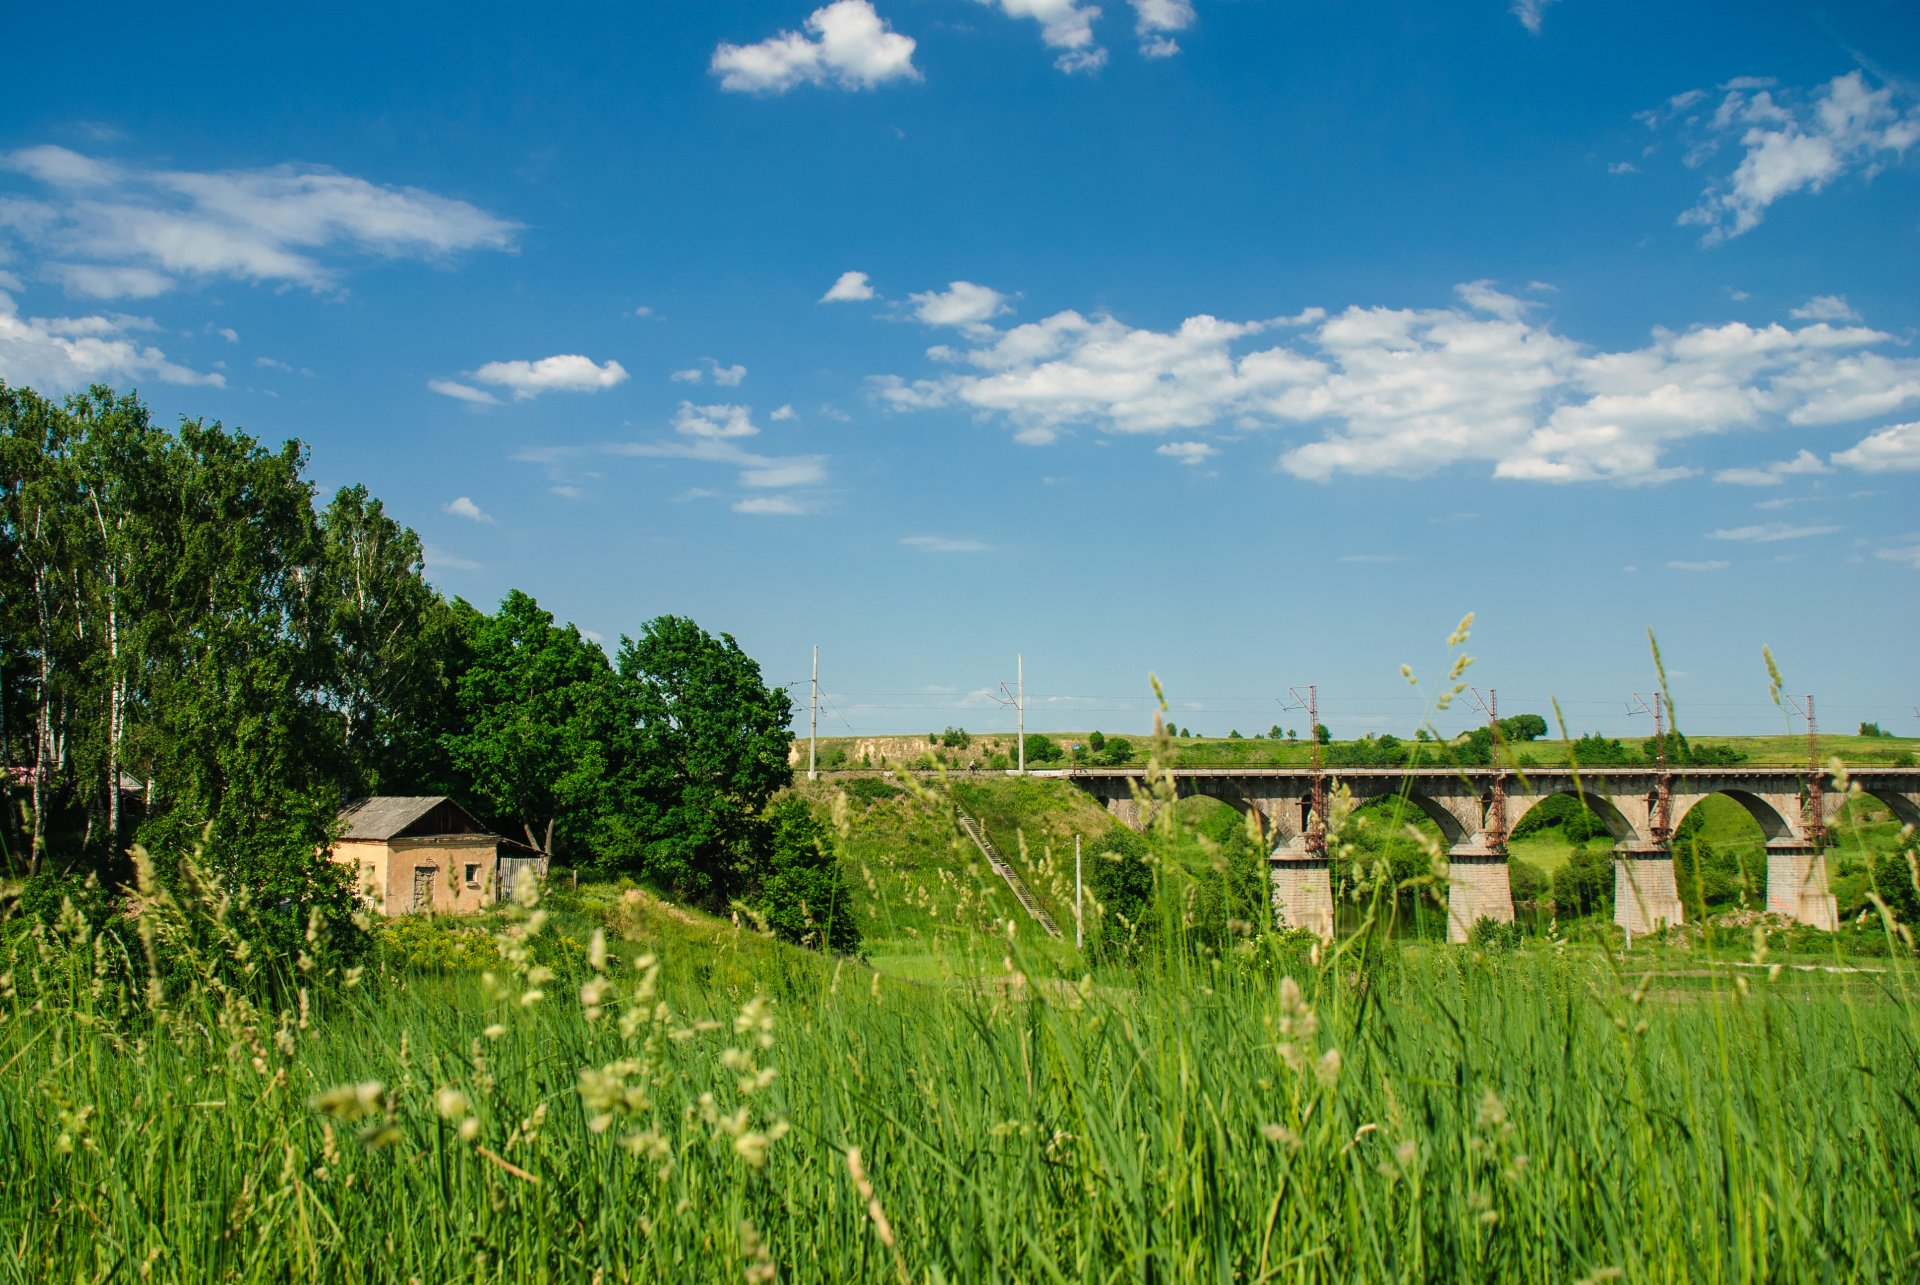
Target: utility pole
[
  {"x": 1018, "y": 699},
  {"x": 1079, "y": 934},
  {"x": 813, "y": 725},
  {"x": 1316, "y": 835},
  {"x": 1663, "y": 804},
  {"x": 1816, "y": 817},
  {"x": 1496, "y": 826}
]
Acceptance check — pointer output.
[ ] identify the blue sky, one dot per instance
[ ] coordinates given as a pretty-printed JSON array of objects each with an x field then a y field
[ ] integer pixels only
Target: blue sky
[{"x": 1249, "y": 342}]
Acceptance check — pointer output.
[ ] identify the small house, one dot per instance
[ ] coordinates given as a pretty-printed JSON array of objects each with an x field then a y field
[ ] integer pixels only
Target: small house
[{"x": 414, "y": 854}]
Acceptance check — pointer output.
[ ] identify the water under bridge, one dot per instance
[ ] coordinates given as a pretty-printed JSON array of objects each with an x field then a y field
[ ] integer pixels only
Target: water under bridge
[{"x": 1477, "y": 808}]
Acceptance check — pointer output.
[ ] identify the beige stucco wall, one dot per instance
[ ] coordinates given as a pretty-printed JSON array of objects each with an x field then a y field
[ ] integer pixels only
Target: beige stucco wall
[{"x": 385, "y": 873}]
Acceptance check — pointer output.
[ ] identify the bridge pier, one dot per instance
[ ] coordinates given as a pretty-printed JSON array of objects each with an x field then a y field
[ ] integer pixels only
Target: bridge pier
[
  {"x": 1797, "y": 884},
  {"x": 1479, "y": 886},
  {"x": 1646, "y": 894},
  {"x": 1302, "y": 889}
]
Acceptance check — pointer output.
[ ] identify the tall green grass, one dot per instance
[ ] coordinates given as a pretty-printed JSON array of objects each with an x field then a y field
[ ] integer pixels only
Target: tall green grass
[{"x": 1269, "y": 1112}]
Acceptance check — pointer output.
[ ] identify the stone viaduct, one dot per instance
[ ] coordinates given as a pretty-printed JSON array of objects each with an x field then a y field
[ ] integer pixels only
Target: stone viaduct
[{"x": 1476, "y": 808}]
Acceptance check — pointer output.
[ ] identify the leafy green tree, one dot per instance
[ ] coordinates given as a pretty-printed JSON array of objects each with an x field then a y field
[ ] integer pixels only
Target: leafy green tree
[
  {"x": 1117, "y": 752},
  {"x": 1042, "y": 748},
  {"x": 1320, "y": 733},
  {"x": 541, "y": 737},
  {"x": 388, "y": 652},
  {"x": 1118, "y": 869},
  {"x": 1523, "y": 727},
  {"x": 1872, "y": 729},
  {"x": 800, "y": 889},
  {"x": 1097, "y": 741},
  {"x": 1584, "y": 886},
  {"x": 709, "y": 742}
]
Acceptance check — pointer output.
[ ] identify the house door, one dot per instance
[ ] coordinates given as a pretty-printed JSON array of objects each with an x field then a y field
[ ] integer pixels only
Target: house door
[{"x": 423, "y": 877}]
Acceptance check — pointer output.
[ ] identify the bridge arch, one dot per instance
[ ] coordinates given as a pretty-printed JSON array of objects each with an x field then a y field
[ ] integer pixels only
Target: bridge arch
[
  {"x": 1452, "y": 829},
  {"x": 1600, "y": 805},
  {"x": 1774, "y": 824},
  {"x": 1905, "y": 807}
]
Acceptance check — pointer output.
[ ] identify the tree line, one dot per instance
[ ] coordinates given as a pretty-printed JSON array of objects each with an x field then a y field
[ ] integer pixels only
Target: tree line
[{"x": 195, "y": 653}]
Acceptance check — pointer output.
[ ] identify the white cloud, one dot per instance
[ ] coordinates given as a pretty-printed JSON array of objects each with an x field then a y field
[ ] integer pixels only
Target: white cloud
[
  {"x": 778, "y": 506},
  {"x": 1891, "y": 450},
  {"x": 229, "y": 334},
  {"x": 1909, "y": 554},
  {"x": 1155, "y": 21},
  {"x": 643, "y": 311},
  {"x": 808, "y": 470},
  {"x": 725, "y": 376},
  {"x": 1623, "y": 167},
  {"x": 1806, "y": 462},
  {"x": 1826, "y": 307},
  {"x": 942, "y": 544},
  {"x": 1529, "y": 12},
  {"x": 783, "y": 412},
  {"x": 464, "y": 507},
  {"x": 962, "y": 304},
  {"x": 849, "y": 287},
  {"x": 850, "y": 48},
  {"x": 1770, "y": 532},
  {"x": 1788, "y": 142},
  {"x": 565, "y": 373},
  {"x": 98, "y": 281},
  {"x": 1066, "y": 25},
  {"x": 719, "y": 421},
  {"x": 463, "y": 392},
  {"x": 57, "y": 355},
  {"x": 114, "y": 230},
  {"x": 1714, "y": 564},
  {"x": 1193, "y": 453},
  {"x": 1410, "y": 391}
]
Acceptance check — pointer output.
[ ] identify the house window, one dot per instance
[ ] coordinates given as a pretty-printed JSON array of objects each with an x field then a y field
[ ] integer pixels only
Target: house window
[{"x": 473, "y": 874}]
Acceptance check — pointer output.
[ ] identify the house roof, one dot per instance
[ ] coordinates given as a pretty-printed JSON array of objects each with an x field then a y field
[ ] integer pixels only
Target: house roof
[{"x": 388, "y": 816}]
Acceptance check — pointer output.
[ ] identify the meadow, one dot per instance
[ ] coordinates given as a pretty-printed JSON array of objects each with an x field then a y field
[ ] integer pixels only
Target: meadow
[{"x": 601, "y": 1086}]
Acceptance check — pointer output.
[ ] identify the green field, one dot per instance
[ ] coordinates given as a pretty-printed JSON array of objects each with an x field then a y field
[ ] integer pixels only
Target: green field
[{"x": 615, "y": 1088}]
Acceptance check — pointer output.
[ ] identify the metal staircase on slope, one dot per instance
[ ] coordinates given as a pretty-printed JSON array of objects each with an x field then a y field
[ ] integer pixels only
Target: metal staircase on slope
[{"x": 1006, "y": 872}]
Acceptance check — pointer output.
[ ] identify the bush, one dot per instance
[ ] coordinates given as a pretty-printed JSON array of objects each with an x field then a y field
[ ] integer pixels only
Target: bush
[
  {"x": 1529, "y": 882},
  {"x": 869, "y": 789},
  {"x": 1096, "y": 742},
  {"x": 1117, "y": 868},
  {"x": 1584, "y": 886},
  {"x": 1493, "y": 936},
  {"x": 1043, "y": 749},
  {"x": 800, "y": 891},
  {"x": 956, "y": 738},
  {"x": 1117, "y": 752}
]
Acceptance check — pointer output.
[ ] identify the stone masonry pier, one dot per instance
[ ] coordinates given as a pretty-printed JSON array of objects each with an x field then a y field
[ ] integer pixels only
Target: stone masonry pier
[{"x": 1476, "y": 808}]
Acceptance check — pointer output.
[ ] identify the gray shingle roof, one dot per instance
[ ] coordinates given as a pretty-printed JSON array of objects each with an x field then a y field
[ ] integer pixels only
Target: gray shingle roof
[{"x": 387, "y": 816}]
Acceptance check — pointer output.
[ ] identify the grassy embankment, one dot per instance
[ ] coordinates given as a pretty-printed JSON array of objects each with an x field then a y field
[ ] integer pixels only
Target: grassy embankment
[{"x": 845, "y": 753}]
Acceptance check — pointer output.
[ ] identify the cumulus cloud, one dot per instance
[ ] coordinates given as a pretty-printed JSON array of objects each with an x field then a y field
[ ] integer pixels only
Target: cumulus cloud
[
  {"x": 850, "y": 47},
  {"x": 113, "y": 230},
  {"x": 942, "y": 544},
  {"x": 564, "y": 373},
  {"x": 1066, "y": 25},
  {"x": 1155, "y": 21},
  {"x": 962, "y": 305},
  {"x": 1529, "y": 12},
  {"x": 463, "y": 392},
  {"x": 783, "y": 412},
  {"x": 1826, "y": 307},
  {"x": 1770, "y": 532},
  {"x": 464, "y": 507},
  {"x": 1774, "y": 474},
  {"x": 850, "y": 287},
  {"x": 63, "y": 354},
  {"x": 1409, "y": 391},
  {"x": 1186, "y": 452},
  {"x": 1787, "y": 141},
  {"x": 1891, "y": 450}
]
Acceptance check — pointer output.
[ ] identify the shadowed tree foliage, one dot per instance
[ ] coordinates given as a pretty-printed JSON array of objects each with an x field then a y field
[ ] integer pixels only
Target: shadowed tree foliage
[
  {"x": 800, "y": 889},
  {"x": 708, "y": 748},
  {"x": 541, "y": 736}
]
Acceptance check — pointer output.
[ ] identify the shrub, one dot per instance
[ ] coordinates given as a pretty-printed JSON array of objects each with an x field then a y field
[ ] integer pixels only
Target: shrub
[
  {"x": 800, "y": 891},
  {"x": 1530, "y": 883},
  {"x": 1493, "y": 936},
  {"x": 869, "y": 789},
  {"x": 1584, "y": 886},
  {"x": 1043, "y": 749}
]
